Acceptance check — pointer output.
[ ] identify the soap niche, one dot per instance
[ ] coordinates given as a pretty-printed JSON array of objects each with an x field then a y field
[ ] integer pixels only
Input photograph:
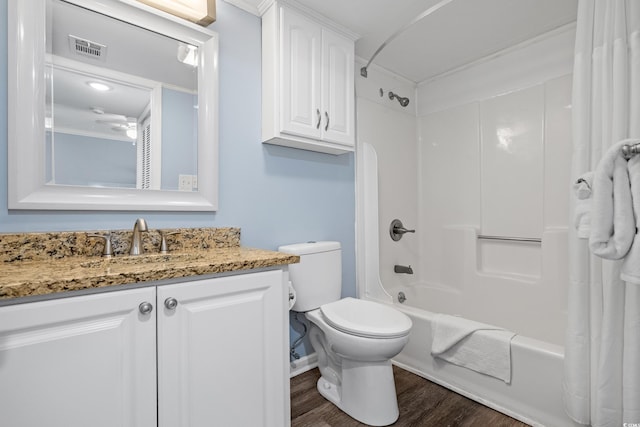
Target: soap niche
[{"x": 510, "y": 258}]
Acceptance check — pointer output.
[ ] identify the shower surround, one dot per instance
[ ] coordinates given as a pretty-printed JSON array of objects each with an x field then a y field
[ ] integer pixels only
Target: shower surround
[{"x": 485, "y": 151}]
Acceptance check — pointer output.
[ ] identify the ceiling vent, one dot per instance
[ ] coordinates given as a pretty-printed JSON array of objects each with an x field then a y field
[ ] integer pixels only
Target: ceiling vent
[{"x": 88, "y": 48}]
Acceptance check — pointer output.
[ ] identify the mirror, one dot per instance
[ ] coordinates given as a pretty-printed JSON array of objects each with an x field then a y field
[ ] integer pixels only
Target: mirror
[{"x": 146, "y": 141}]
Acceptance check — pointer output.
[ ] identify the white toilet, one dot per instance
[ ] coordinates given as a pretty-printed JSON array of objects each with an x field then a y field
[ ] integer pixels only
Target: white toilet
[{"x": 354, "y": 339}]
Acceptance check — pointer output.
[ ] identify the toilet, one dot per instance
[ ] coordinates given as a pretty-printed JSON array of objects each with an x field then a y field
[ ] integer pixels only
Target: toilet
[{"x": 354, "y": 339}]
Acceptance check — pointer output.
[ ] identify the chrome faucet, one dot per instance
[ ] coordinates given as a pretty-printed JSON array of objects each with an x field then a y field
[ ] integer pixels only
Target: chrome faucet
[{"x": 136, "y": 248}]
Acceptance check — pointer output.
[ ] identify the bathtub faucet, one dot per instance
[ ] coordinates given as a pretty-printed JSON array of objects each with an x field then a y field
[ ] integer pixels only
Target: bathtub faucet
[
  {"x": 397, "y": 230},
  {"x": 403, "y": 269}
]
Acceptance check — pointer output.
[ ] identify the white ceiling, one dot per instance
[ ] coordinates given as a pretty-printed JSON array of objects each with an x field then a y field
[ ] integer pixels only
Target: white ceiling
[{"x": 459, "y": 33}]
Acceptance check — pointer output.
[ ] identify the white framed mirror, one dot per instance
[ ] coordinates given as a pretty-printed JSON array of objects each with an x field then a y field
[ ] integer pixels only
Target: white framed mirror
[{"x": 129, "y": 148}]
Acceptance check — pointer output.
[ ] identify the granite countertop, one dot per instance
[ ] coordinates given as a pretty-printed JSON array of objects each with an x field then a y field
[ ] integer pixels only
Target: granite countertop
[
  {"x": 29, "y": 278},
  {"x": 49, "y": 263}
]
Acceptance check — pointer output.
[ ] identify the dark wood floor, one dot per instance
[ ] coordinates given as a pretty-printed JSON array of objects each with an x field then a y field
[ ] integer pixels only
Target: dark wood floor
[{"x": 422, "y": 404}]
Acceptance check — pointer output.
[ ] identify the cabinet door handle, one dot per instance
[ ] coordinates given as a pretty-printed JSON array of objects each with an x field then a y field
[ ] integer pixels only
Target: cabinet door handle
[
  {"x": 171, "y": 303},
  {"x": 145, "y": 307},
  {"x": 326, "y": 127},
  {"x": 319, "y": 118}
]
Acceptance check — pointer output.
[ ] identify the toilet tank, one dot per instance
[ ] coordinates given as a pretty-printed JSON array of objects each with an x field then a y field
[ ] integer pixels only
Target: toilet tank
[{"x": 317, "y": 278}]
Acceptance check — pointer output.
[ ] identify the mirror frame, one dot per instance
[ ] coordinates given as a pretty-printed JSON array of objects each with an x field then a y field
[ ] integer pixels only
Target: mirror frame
[{"x": 27, "y": 188}]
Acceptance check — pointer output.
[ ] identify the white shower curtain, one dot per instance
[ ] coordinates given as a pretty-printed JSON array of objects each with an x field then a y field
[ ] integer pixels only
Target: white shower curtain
[{"x": 602, "y": 350}]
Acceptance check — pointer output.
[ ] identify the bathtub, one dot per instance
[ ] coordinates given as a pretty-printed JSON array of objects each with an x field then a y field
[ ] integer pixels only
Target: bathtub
[
  {"x": 534, "y": 395},
  {"x": 531, "y": 305}
]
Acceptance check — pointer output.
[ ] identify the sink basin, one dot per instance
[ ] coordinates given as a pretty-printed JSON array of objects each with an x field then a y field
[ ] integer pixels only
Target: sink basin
[{"x": 142, "y": 259}]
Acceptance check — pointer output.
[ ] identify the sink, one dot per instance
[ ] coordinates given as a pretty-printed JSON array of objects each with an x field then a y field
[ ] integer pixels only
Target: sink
[{"x": 142, "y": 259}]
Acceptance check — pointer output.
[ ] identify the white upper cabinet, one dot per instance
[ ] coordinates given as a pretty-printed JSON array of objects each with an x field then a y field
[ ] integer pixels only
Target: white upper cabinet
[
  {"x": 337, "y": 82},
  {"x": 307, "y": 83},
  {"x": 300, "y": 112}
]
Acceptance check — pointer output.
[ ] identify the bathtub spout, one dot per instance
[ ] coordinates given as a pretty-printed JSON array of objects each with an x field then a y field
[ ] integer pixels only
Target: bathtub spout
[{"x": 403, "y": 269}]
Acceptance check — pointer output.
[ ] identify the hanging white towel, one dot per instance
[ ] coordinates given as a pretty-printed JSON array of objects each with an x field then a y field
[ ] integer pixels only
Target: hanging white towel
[
  {"x": 631, "y": 266},
  {"x": 612, "y": 223},
  {"x": 582, "y": 192},
  {"x": 473, "y": 345}
]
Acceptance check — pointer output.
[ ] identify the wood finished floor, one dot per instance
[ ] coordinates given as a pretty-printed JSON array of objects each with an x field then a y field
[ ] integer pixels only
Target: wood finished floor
[{"x": 422, "y": 404}]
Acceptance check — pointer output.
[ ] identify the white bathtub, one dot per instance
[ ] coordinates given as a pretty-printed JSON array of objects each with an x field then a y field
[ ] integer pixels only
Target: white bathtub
[{"x": 534, "y": 395}]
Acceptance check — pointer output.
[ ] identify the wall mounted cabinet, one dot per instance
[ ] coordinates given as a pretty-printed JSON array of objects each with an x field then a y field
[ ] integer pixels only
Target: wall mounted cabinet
[
  {"x": 307, "y": 83},
  {"x": 209, "y": 352}
]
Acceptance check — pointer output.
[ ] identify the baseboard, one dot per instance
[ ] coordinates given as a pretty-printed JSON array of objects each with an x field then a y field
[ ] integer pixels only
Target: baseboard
[{"x": 302, "y": 365}]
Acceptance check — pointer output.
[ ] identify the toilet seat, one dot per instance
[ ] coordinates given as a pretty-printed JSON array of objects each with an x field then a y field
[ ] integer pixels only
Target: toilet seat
[{"x": 366, "y": 318}]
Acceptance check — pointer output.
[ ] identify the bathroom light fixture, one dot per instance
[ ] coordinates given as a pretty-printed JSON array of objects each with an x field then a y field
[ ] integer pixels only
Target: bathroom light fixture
[
  {"x": 101, "y": 87},
  {"x": 202, "y": 12},
  {"x": 132, "y": 133}
]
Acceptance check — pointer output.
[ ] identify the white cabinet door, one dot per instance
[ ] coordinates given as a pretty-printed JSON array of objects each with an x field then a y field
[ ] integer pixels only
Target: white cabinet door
[
  {"x": 79, "y": 361},
  {"x": 307, "y": 83},
  {"x": 222, "y": 352},
  {"x": 337, "y": 88},
  {"x": 300, "y": 40}
]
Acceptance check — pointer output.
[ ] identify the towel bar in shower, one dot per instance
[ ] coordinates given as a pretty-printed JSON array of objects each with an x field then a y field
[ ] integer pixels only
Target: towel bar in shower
[
  {"x": 628, "y": 151},
  {"x": 510, "y": 239}
]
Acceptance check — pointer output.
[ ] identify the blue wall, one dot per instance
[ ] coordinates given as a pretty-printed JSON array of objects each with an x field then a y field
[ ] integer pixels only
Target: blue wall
[
  {"x": 82, "y": 159},
  {"x": 277, "y": 195},
  {"x": 179, "y": 131}
]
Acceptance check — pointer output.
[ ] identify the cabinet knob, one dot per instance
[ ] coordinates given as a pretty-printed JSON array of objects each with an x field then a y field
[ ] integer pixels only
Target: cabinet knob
[
  {"x": 319, "y": 118},
  {"x": 145, "y": 307},
  {"x": 326, "y": 127},
  {"x": 171, "y": 303}
]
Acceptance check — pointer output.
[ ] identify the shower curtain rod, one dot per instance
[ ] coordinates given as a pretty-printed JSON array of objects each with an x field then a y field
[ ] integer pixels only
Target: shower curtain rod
[
  {"x": 363, "y": 70},
  {"x": 628, "y": 151}
]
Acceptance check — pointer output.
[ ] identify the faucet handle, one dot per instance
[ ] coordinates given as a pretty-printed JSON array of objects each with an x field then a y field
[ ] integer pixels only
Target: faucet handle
[
  {"x": 107, "y": 251},
  {"x": 164, "y": 248}
]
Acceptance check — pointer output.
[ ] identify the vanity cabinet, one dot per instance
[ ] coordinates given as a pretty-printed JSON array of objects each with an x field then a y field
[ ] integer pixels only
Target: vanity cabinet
[
  {"x": 307, "y": 83},
  {"x": 223, "y": 352},
  {"x": 210, "y": 352},
  {"x": 80, "y": 361}
]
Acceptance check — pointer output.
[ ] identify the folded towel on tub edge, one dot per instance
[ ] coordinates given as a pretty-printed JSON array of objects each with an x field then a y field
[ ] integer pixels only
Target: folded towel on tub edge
[{"x": 473, "y": 345}]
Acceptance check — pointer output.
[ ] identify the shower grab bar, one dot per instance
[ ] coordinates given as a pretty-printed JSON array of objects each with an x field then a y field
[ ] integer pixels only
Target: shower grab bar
[
  {"x": 510, "y": 239},
  {"x": 628, "y": 151}
]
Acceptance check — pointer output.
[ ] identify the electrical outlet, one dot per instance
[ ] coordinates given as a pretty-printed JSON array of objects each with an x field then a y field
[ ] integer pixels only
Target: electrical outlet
[
  {"x": 185, "y": 182},
  {"x": 194, "y": 182}
]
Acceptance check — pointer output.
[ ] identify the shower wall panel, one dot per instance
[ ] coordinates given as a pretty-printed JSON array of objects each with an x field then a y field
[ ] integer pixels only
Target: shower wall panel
[
  {"x": 498, "y": 166},
  {"x": 449, "y": 185},
  {"x": 393, "y": 135},
  {"x": 512, "y": 163},
  {"x": 557, "y": 151}
]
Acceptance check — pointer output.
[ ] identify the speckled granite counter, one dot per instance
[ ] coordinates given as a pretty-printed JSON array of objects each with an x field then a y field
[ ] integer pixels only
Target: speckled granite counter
[{"x": 48, "y": 263}]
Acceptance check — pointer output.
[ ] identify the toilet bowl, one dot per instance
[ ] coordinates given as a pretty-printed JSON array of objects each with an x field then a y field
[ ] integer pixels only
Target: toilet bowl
[
  {"x": 356, "y": 371},
  {"x": 366, "y": 339},
  {"x": 354, "y": 339}
]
